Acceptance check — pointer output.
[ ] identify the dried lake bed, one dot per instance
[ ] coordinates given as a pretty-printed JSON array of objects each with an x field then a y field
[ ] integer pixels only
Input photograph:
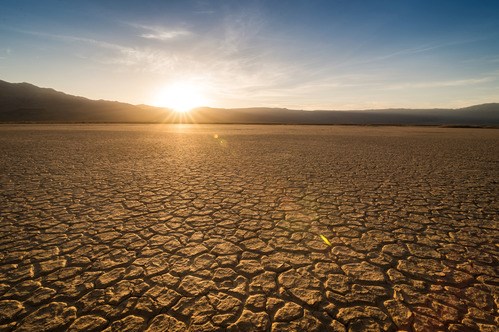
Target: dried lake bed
[{"x": 248, "y": 228}]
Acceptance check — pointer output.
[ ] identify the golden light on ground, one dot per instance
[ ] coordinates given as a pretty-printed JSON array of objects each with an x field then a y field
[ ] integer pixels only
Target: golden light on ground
[{"x": 180, "y": 96}]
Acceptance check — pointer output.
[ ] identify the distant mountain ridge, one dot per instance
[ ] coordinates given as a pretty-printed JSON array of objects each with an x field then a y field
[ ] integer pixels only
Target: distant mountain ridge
[{"x": 24, "y": 102}]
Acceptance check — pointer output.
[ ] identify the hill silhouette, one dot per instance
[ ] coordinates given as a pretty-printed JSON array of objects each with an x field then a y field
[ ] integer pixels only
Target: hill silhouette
[{"x": 24, "y": 102}]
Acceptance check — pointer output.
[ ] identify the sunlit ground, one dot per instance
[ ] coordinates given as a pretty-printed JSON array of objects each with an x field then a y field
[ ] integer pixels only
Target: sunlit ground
[{"x": 210, "y": 227}]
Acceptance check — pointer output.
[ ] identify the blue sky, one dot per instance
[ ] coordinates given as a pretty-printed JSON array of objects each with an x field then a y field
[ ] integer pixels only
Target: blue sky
[{"x": 295, "y": 54}]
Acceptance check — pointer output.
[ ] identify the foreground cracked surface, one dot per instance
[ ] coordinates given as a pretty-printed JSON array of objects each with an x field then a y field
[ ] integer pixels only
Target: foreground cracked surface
[{"x": 207, "y": 228}]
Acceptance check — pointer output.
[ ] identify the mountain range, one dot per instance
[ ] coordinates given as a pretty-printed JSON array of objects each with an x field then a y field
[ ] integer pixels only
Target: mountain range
[{"x": 24, "y": 102}]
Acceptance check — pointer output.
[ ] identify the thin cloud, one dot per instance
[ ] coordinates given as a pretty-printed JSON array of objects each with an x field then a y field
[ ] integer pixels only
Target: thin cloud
[
  {"x": 409, "y": 51},
  {"x": 430, "y": 47},
  {"x": 204, "y": 12},
  {"x": 204, "y": 8},
  {"x": 68, "y": 38},
  {"x": 160, "y": 33},
  {"x": 141, "y": 59},
  {"x": 442, "y": 84},
  {"x": 144, "y": 60}
]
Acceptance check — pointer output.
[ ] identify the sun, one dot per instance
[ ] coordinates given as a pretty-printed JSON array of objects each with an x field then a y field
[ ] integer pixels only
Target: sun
[{"x": 180, "y": 96}]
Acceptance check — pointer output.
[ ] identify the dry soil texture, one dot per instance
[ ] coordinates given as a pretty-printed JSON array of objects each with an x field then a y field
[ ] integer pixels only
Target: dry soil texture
[{"x": 282, "y": 228}]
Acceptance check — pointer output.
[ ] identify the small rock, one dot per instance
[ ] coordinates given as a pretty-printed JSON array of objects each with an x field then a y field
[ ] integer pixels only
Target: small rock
[
  {"x": 195, "y": 286},
  {"x": 338, "y": 283},
  {"x": 87, "y": 323},
  {"x": 128, "y": 324},
  {"x": 256, "y": 302},
  {"x": 273, "y": 304},
  {"x": 251, "y": 321},
  {"x": 289, "y": 312},
  {"x": 224, "y": 273},
  {"x": 193, "y": 250},
  {"x": 224, "y": 319},
  {"x": 224, "y": 302},
  {"x": 249, "y": 267},
  {"x": 110, "y": 277},
  {"x": 309, "y": 296},
  {"x": 52, "y": 316},
  {"x": 256, "y": 244},
  {"x": 364, "y": 271},
  {"x": 263, "y": 283},
  {"x": 401, "y": 315},
  {"x": 226, "y": 248},
  {"x": 165, "y": 322},
  {"x": 9, "y": 309}
]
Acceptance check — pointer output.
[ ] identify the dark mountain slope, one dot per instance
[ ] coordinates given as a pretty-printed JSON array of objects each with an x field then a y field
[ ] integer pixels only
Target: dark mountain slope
[
  {"x": 23, "y": 102},
  {"x": 26, "y": 102}
]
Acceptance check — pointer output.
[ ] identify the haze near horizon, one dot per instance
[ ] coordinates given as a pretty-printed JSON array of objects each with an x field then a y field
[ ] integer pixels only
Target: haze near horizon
[{"x": 297, "y": 54}]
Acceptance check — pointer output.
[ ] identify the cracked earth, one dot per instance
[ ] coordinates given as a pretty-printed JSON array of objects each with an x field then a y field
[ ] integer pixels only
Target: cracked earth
[{"x": 248, "y": 228}]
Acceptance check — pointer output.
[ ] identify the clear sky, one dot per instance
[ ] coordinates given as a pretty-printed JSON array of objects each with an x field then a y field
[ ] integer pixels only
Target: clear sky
[{"x": 297, "y": 54}]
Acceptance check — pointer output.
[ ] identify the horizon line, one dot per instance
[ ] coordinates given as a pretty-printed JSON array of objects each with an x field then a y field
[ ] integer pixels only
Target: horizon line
[{"x": 256, "y": 107}]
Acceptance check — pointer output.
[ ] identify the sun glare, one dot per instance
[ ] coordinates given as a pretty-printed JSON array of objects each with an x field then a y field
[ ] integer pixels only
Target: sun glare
[{"x": 181, "y": 97}]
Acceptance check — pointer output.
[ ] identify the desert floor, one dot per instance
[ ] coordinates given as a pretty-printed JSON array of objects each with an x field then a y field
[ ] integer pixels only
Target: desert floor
[{"x": 239, "y": 227}]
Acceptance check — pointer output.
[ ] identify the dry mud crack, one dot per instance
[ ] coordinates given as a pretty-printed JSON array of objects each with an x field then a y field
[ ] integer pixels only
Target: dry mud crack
[{"x": 248, "y": 228}]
